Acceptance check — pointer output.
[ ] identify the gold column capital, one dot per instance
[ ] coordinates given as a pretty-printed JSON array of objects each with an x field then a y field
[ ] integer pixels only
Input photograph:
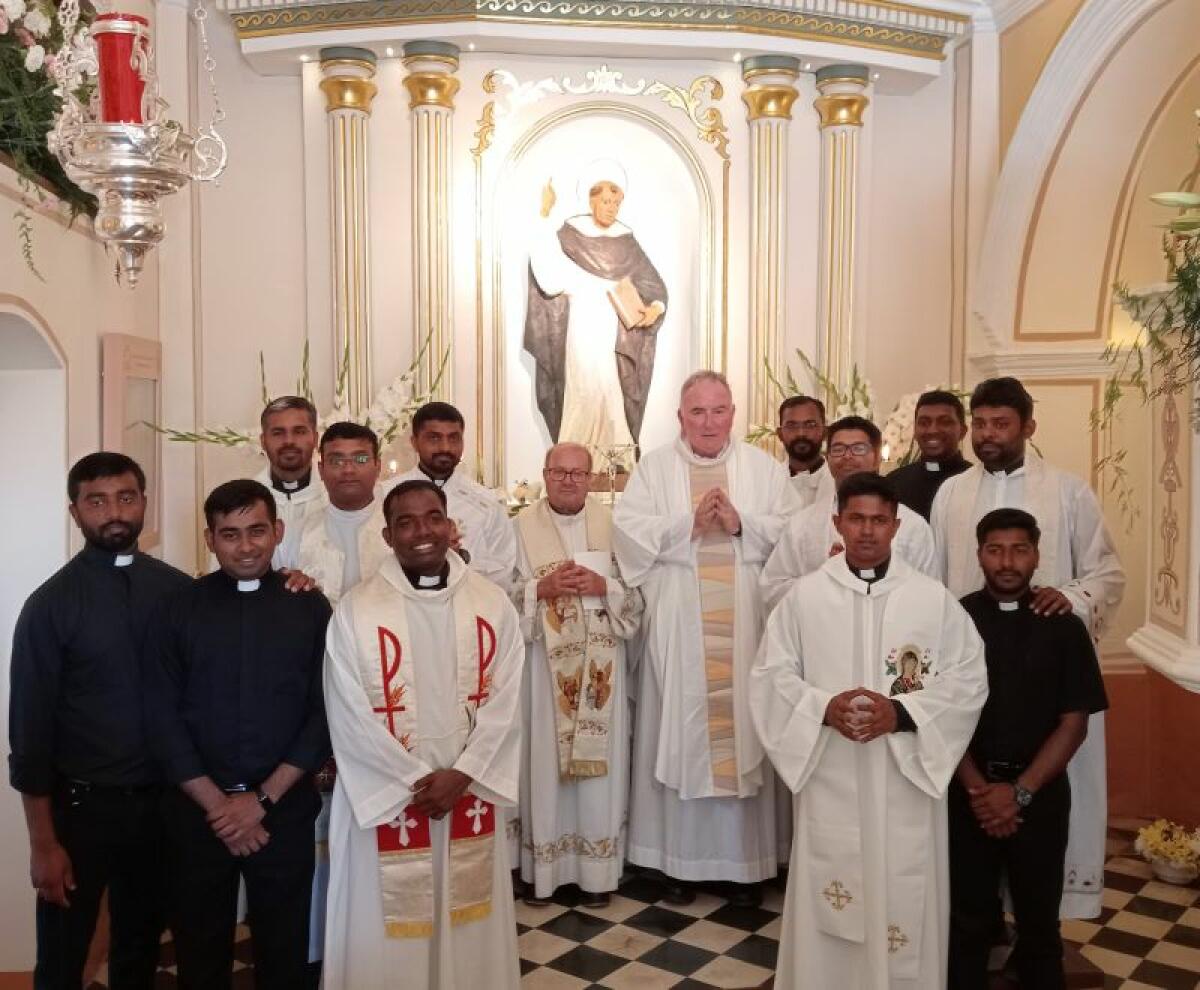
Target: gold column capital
[
  {"x": 347, "y": 78},
  {"x": 431, "y": 81},
  {"x": 770, "y": 86},
  {"x": 843, "y": 98}
]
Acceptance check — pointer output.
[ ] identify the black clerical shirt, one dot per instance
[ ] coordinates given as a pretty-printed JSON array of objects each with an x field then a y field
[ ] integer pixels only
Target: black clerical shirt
[
  {"x": 917, "y": 483},
  {"x": 1039, "y": 668},
  {"x": 75, "y": 707},
  {"x": 233, "y": 681}
]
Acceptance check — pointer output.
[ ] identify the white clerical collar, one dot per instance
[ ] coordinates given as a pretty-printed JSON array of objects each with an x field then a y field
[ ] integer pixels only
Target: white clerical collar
[
  {"x": 290, "y": 486},
  {"x": 867, "y": 573},
  {"x": 932, "y": 466},
  {"x": 123, "y": 560},
  {"x": 252, "y": 585},
  {"x": 1009, "y": 606},
  {"x": 428, "y": 580}
]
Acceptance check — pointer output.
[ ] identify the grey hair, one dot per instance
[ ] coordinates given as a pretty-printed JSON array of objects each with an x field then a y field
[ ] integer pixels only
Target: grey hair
[
  {"x": 286, "y": 402},
  {"x": 704, "y": 375},
  {"x": 567, "y": 443}
]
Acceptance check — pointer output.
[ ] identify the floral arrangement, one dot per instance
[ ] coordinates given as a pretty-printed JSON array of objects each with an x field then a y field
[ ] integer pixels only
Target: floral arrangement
[
  {"x": 855, "y": 398},
  {"x": 1164, "y": 841},
  {"x": 31, "y": 35},
  {"x": 389, "y": 414}
]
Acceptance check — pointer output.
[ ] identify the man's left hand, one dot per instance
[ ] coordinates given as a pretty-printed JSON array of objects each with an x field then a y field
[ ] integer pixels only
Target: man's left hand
[
  {"x": 882, "y": 718},
  {"x": 237, "y": 817},
  {"x": 996, "y": 808},
  {"x": 1049, "y": 601},
  {"x": 727, "y": 515},
  {"x": 297, "y": 580},
  {"x": 436, "y": 794},
  {"x": 587, "y": 582}
]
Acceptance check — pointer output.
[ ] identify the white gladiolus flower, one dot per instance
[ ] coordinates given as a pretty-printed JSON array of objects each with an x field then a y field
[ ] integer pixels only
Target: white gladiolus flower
[
  {"x": 34, "y": 58},
  {"x": 37, "y": 22},
  {"x": 15, "y": 9}
]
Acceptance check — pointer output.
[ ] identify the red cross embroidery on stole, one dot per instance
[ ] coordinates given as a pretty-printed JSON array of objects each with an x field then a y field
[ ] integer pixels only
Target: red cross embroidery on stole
[
  {"x": 389, "y": 667},
  {"x": 485, "y": 636}
]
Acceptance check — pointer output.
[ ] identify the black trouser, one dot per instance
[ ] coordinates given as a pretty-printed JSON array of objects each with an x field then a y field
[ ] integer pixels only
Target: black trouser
[
  {"x": 204, "y": 886},
  {"x": 114, "y": 839},
  {"x": 1032, "y": 861}
]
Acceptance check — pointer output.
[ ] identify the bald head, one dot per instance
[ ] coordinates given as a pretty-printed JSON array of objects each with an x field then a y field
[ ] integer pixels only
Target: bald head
[{"x": 567, "y": 473}]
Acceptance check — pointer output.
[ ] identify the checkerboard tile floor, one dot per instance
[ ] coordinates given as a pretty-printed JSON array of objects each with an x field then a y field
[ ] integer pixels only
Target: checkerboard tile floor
[{"x": 1148, "y": 935}]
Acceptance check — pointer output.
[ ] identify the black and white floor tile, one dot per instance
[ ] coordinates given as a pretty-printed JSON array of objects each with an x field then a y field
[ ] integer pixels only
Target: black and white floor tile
[{"x": 1148, "y": 936}]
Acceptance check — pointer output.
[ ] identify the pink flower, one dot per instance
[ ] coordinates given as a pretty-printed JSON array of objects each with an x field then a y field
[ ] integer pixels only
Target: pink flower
[
  {"x": 3, "y": 22},
  {"x": 24, "y": 36}
]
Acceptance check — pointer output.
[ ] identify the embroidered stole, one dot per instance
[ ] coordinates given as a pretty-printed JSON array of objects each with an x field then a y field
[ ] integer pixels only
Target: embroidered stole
[
  {"x": 390, "y": 676},
  {"x": 715, "y": 565},
  {"x": 1042, "y": 501},
  {"x": 581, "y": 648}
]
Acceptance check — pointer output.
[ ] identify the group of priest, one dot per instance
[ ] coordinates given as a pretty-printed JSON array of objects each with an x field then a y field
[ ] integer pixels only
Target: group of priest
[{"x": 888, "y": 685}]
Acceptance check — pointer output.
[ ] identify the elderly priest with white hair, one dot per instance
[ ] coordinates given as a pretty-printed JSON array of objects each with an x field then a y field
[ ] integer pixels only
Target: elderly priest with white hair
[
  {"x": 865, "y": 694},
  {"x": 422, "y": 689},
  {"x": 692, "y": 530}
]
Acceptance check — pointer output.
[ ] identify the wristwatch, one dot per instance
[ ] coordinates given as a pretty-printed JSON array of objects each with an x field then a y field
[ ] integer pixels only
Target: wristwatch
[
  {"x": 266, "y": 803},
  {"x": 1023, "y": 797}
]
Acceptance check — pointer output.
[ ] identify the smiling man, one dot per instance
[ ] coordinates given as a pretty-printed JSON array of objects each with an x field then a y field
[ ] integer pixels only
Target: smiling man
[
  {"x": 939, "y": 425},
  {"x": 801, "y": 430},
  {"x": 1078, "y": 571},
  {"x": 423, "y": 684},
  {"x": 865, "y": 694},
  {"x": 692, "y": 530},
  {"x": 235, "y": 717},
  {"x": 289, "y": 437},
  {"x": 79, "y": 756}
]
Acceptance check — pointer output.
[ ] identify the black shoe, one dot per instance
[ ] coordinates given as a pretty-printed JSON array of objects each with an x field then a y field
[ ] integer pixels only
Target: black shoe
[
  {"x": 533, "y": 900},
  {"x": 678, "y": 893},
  {"x": 746, "y": 895},
  {"x": 594, "y": 901}
]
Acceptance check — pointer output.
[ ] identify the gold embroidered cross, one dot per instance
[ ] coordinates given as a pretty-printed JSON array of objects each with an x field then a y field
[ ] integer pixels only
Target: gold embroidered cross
[
  {"x": 837, "y": 895},
  {"x": 897, "y": 940}
]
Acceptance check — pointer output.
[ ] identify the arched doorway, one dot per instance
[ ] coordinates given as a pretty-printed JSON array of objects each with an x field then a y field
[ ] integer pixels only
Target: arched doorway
[{"x": 33, "y": 532}]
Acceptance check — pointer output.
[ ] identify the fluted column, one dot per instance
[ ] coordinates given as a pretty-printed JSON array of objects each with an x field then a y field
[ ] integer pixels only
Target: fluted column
[
  {"x": 840, "y": 107},
  {"x": 346, "y": 82},
  {"x": 431, "y": 86},
  {"x": 769, "y": 94}
]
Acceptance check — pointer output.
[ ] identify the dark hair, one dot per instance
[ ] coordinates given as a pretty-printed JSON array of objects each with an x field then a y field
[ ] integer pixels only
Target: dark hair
[
  {"x": 867, "y": 483},
  {"x": 940, "y": 397},
  {"x": 349, "y": 431},
  {"x": 1006, "y": 392},
  {"x": 234, "y": 495},
  {"x": 801, "y": 400},
  {"x": 283, "y": 404},
  {"x": 1007, "y": 519},
  {"x": 859, "y": 423},
  {"x": 102, "y": 464},
  {"x": 412, "y": 485},
  {"x": 436, "y": 412}
]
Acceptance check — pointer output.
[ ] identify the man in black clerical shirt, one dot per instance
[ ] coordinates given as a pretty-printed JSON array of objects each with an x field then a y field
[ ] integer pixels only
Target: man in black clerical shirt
[
  {"x": 235, "y": 714},
  {"x": 79, "y": 758},
  {"x": 1011, "y": 800},
  {"x": 939, "y": 425}
]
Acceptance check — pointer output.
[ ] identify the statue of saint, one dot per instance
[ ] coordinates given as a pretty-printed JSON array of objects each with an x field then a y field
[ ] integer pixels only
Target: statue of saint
[{"x": 593, "y": 370}]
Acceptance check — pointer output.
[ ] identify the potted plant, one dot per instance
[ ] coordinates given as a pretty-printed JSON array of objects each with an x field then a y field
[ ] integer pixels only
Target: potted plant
[{"x": 1172, "y": 851}]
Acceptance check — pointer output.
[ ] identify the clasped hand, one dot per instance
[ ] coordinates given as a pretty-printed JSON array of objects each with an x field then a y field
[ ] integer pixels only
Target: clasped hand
[
  {"x": 237, "y": 821},
  {"x": 996, "y": 809},
  {"x": 715, "y": 512},
  {"x": 437, "y": 793},
  {"x": 859, "y": 722},
  {"x": 570, "y": 578}
]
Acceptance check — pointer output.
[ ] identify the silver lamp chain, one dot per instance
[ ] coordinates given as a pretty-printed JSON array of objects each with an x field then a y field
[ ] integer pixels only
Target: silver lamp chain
[{"x": 200, "y": 15}]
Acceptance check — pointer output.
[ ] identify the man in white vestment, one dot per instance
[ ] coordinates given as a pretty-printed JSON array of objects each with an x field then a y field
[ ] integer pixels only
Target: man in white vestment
[
  {"x": 341, "y": 545},
  {"x": 801, "y": 430},
  {"x": 483, "y": 534},
  {"x": 289, "y": 438},
  {"x": 575, "y": 616},
  {"x": 423, "y": 691},
  {"x": 593, "y": 361},
  {"x": 855, "y": 446},
  {"x": 1079, "y": 572},
  {"x": 866, "y": 692},
  {"x": 692, "y": 530}
]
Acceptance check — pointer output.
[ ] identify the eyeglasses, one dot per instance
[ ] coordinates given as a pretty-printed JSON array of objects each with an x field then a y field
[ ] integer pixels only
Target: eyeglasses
[
  {"x": 560, "y": 474},
  {"x": 340, "y": 460},
  {"x": 839, "y": 450}
]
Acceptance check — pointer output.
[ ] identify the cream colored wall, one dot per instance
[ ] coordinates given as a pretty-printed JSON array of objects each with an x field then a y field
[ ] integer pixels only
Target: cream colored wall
[{"x": 1024, "y": 48}]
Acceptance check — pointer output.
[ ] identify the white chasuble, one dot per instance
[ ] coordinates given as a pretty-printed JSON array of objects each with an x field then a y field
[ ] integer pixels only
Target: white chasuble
[
  {"x": 417, "y": 681},
  {"x": 572, "y": 826},
  {"x": 867, "y": 904},
  {"x": 681, "y": 820},
  {"x": 1079, "y": 559},
  {"x": 810, "y": 536}
]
